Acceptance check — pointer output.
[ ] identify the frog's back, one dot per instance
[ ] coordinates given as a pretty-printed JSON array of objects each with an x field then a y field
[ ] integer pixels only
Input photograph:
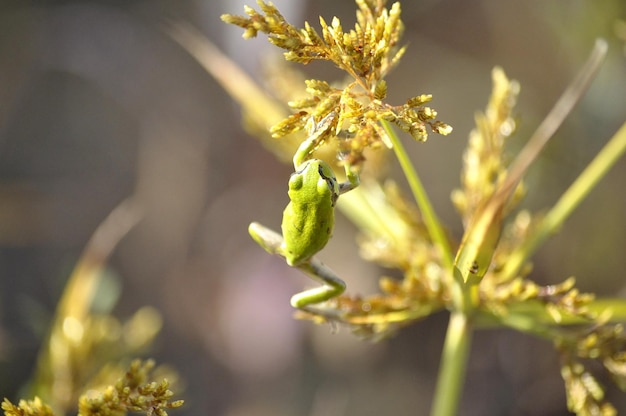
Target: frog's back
[{"x": 307, "y": 229}]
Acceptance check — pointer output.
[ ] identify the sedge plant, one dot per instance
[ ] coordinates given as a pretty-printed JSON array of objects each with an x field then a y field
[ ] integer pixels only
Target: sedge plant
[
  {"x": 83, "y": 365},
  {"x": 483, "y": 278}
]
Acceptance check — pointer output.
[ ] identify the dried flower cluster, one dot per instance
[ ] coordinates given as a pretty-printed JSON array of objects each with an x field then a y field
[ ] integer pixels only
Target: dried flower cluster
[
  {"x": 33, "y": 407},
  {"x": 367, "y": 53},
  {"x": 83, "y": 346},
  {"x": 131, "y": 393}
]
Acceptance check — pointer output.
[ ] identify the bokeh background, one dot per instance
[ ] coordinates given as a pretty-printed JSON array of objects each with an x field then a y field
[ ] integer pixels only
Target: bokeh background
[{"x": 97, "y": 103}]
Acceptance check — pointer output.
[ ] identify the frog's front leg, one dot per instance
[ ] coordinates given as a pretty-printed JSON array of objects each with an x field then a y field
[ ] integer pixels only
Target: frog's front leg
[
  {"x": 332, "y": 286},
  {"x": 352, "y": 182},
  {"x": 306, "y": 148}
]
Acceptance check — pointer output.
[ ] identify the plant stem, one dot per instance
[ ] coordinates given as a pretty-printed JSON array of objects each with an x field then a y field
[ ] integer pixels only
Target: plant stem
[
  {"x": 574, "y": 195},
  {"x": 430, "y": 217},
  {"x": 458, "y": 337},
  {"x": 555, "y": 117},
  {"x": 453, "y": 365}
]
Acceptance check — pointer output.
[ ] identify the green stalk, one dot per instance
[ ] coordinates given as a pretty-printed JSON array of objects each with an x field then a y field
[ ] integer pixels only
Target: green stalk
[
  {"x": 453, "y": 365},
  {"x": 574, "y": 195},
  {"x": 430, "y": 217},
  {"x": 458, "y": 337},
  {"x": 532, "y": 317}
]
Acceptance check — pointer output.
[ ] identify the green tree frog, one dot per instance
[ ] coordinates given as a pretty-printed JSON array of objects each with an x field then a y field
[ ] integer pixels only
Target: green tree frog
[{"x": 308, "y": 220}]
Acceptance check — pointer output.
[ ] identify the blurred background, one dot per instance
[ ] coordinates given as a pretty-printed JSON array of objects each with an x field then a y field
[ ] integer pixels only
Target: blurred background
[{"x": 97, "y": 103}]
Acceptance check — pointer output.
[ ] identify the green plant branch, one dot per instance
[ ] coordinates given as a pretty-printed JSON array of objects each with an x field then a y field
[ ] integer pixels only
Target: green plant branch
[
  {"x": 453, "y": 366},
  {"x": 555, "y": 118},
  {"x": 458, "y": 336},
  {"x": 532, "y": 317},
  {"x": 572, "y": 197},
  {"x": 431, "y": 220},
  {"x": 523, "y": 321},
  {"x": 616, "y": 306}
]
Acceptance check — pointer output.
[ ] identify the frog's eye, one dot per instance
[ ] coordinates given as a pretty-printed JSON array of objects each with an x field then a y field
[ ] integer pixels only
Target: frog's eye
[{"x": 296, "y": 181}]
